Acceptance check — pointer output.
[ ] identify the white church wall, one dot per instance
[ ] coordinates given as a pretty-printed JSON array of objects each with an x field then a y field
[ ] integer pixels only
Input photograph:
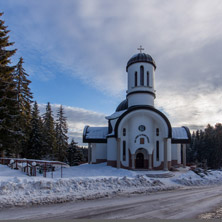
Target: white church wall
[
  {"x": 101, "y": 151},
  {"x": 169, "y": 157},
  {"x": 93, "y": 152},
  {"x": 174, "y": 151},
  {"x": 131, "y": 122},
  {"x": 113, "y": 123},
  {"x": 156, "y": 162},
  {"x": 179, "y": 153},
  {"x": 140, "y": 99},
  {"x": 126, "y": 139},
  {"x": 159, "y": 138},
  {"x": 111, "y": 149},
  {"x": 136, "y": 68}
]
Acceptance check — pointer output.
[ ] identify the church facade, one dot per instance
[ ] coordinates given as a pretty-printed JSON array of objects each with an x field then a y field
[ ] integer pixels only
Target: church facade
[{"x": 138, "y": 135}]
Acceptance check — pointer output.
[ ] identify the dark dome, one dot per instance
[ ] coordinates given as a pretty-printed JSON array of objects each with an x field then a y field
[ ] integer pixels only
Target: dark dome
[
  {"x": 122, "y": 106},
  {"x": 141, "y": 57}
]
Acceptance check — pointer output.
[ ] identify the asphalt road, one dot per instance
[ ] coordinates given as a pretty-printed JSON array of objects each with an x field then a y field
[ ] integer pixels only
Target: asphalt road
[{"x": 173, "y": 204}]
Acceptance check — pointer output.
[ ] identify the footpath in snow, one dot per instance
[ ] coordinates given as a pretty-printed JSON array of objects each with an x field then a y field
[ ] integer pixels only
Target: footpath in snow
[{"x": 90, "y": 182}]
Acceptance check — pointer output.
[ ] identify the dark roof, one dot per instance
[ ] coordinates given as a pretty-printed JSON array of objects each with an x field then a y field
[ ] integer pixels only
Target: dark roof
[
  {"x": 122, "y": 106},
  {"x": 141, "y": 57}
]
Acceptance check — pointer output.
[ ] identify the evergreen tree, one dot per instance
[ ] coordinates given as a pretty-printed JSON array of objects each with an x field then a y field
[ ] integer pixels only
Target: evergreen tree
[
  {"x": 217, "y": 157},
  {"x": 24, "y": 98},
  {"x": 207, "y": 146},
  {"x": 71, "y": 153},
  {"x": 74, "y": 154},
  {"x": 49, "y": 132},
  {"x": 9, "y": 131},
  {"x": 61, "y": 135},
  {"x": 191, "y": 151},
  {"x": 36, "y": 142}
]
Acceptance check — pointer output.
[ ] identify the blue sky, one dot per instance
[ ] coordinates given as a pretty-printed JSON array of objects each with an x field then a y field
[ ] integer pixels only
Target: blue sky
[{"x": 76, "y": 53}]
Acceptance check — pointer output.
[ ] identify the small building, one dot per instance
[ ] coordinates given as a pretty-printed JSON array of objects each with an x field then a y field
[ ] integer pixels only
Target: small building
[{"x": 138, "y": 135}]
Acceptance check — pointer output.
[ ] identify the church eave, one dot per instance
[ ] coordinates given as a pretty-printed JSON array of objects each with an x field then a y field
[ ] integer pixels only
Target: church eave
[
  {"x": 138, "y": 107},
  {"x": 85, "y": 140},
  {"x": 141, "y": 91}
]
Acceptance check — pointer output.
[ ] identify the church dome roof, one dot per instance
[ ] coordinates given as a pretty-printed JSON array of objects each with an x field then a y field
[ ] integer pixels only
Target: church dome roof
[
  {"x": 141, "y": 57},
  {"x": 122, "y": 106}
]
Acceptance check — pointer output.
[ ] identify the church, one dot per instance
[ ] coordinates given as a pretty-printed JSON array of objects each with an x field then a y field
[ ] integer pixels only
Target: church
[{"x": 138, "y": 136}]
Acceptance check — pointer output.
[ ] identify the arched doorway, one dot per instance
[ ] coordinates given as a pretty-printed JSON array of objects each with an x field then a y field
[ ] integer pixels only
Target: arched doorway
[{"x": 139, "y": 161}]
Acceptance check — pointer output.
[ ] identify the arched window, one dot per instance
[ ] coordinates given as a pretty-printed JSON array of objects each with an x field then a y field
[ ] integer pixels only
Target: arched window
[
  {"x": 141, "y": 75},
  {"x": 157, "y": 151},
  {"x": 157, "y": 132},
  {"x": 124, "y": 150},
  {"x": 135, "y": 80},
  {"x": 124, "y": 131},
  {"x": 148, "y": 79}
]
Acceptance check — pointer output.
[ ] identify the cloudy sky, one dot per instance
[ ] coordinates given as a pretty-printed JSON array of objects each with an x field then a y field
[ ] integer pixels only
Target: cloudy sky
[{"x": 76, "y": 53}]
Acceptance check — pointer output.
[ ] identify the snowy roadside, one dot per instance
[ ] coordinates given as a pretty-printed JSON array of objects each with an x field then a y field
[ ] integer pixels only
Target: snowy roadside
[
  {"x": 90, "y": 182},
  {"x": 216, "y": 214}
]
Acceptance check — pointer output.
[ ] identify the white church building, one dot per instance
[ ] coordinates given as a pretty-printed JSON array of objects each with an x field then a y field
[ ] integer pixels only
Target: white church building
[{"x": 138, "y": 135}]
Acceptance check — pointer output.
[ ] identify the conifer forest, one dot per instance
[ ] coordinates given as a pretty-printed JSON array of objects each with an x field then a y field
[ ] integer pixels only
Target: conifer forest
[{"x": 24, "y": 133}]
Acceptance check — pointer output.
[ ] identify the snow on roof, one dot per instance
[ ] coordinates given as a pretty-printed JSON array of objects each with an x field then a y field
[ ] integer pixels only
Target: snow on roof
[
  {"x": 179, "y": 133},
  {"x": 34, "y": 160},
  {"x": 95, "y": 134},
  {"x": 116, "y": 115}
]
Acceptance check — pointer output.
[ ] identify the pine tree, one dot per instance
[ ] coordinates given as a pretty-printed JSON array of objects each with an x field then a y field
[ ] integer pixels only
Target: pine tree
[
  {"x": 9, "y": 131},
  {"x": 24, "y": 98},
  {"x": 49, "y": 132},
  {"x": 71, "y": 153},
  {"x": 217, "y": 157},
  {"x": 36, "y": 142},
  {"x": 75, "y": 154},
  {"x": 61, "y": 135},
  {"x": 191, "y": 151}
]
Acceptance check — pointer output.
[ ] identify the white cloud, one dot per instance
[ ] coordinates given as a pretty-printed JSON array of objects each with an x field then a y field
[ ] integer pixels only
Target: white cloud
[
  {"x": 94, "y": 39},
  {"x": 193, "y": 109}
]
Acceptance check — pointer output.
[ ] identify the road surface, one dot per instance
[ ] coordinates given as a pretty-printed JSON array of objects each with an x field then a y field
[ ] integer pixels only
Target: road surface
[{"x": 175, "y": 204}]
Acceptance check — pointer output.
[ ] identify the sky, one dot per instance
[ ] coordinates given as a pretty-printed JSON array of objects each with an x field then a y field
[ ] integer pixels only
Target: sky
[{"x": 76, "y": 52}]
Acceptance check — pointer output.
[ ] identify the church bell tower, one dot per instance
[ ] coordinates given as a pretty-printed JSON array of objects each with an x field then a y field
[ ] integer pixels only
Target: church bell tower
[{"x": 141, "y": 70}]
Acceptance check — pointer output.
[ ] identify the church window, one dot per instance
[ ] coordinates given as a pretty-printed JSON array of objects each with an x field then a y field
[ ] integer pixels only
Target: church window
[
  {"x": 124, "y": 150},
  {"x": 148, "y": 79},
  {"x": 157, "y": 132},
  {"x": 142, "y": 128},
  {"x": 141, "y": 75},
  {"x": 157, "y": 151},
  {"x": 135, "y": 79},
  {"x": 124, "y": 131},
  {"x": 141, "y": 140}
]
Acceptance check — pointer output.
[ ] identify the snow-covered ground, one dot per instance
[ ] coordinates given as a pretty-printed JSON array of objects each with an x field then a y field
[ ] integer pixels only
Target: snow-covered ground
[{"x": 91, "y": 182}]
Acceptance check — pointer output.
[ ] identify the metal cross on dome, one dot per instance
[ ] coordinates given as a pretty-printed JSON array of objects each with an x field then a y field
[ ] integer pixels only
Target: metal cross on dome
[{"x": 140, "y": 48}]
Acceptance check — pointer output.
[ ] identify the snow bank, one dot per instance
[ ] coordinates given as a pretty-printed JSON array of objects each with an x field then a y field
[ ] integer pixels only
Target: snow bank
[
  {"x": 81, "y": 182},
  {"x": 192, "y": 179},
  {"x": 89, "y": 182},
  {"x": 24, "y": 191}
]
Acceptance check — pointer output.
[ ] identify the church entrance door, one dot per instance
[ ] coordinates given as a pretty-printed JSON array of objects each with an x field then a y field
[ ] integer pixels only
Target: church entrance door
[{"x": 139, "y": 161}]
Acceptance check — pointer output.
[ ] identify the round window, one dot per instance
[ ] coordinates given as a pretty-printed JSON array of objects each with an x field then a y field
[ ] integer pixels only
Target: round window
[{"x": 142, "y": 128}]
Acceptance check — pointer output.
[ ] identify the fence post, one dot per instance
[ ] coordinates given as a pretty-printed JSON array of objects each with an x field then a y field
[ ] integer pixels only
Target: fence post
[{"x": 45, "y": 170}]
